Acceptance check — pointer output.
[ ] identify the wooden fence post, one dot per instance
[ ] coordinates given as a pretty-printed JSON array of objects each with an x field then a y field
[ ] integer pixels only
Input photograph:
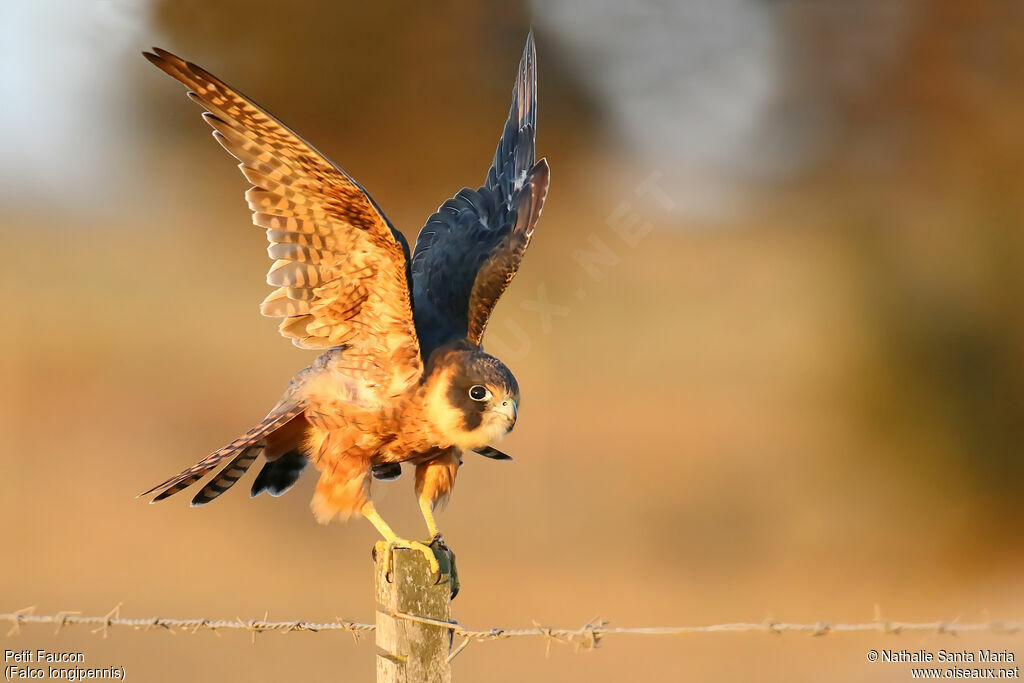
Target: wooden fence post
[{"x": 410, "y": 651}]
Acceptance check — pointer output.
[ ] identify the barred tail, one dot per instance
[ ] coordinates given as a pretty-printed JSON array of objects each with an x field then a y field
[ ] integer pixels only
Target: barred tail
[
  {"x": 279, "y": 417},
  {"x": 227, "y": 477}
]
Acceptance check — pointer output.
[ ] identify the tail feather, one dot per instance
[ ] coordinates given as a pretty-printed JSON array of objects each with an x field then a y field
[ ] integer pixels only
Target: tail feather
[
  {"x": 277, "y": 476},
  {"x": 255, "y": 435},
  {"x": 227, "y": 477}
]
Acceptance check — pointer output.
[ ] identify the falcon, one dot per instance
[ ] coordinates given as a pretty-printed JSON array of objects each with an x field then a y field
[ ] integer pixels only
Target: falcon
[{"x": 403, "y": 377}]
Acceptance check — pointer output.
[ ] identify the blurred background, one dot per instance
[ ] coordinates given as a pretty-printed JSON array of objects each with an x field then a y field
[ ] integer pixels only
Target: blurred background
[{"x": 769, "y": 333}]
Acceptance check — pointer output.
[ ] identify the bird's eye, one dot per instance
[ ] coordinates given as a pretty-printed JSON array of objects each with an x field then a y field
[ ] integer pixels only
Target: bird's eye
[{"x": 479, "y": 393}]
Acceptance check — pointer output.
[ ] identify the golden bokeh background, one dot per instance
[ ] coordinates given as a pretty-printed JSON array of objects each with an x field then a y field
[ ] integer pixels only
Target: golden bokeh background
[{"x": 769, "y": 333}]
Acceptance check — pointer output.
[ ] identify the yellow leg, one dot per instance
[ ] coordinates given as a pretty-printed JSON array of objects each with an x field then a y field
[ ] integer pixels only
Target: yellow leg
[
  {"x": 371, "y": 514},
  {"x": 436, "y": 542},
  {"x": 392, "y": 541},
  {"x": 427, "y": 508}
]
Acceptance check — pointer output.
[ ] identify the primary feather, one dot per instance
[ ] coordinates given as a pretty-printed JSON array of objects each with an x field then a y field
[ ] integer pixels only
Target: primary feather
[{"x": 470, "y": 249}]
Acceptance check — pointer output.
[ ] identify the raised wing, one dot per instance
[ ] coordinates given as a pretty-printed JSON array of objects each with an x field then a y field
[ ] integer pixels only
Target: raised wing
[
  {"x": 470, "y": 250},
  {"x": 340, "y": 269}
]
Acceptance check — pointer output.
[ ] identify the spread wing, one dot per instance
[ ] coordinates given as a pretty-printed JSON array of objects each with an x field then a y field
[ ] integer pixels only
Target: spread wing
[
  {"x": 470, "y": 250},
  {"x": 340, "y": 269}
]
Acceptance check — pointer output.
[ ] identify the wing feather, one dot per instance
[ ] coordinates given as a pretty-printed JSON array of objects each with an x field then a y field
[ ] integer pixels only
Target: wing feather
[
  {"x": 341, "y": 269},
  {"x": 471, "y": 248},
  {"x": 502, "y": 264}
]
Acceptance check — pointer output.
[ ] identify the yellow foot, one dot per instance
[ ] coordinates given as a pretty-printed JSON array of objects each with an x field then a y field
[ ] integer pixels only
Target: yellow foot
[
  {"x": 439, "y": 557},
  {"x": 388, "y": 548}
]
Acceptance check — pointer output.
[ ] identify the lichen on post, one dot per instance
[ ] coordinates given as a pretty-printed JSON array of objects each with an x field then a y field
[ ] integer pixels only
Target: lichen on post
[{"x": 411, "y": 651}]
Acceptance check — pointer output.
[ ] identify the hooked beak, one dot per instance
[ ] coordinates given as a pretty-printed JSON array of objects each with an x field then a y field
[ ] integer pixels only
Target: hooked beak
[{"x": 508, "y": 410}]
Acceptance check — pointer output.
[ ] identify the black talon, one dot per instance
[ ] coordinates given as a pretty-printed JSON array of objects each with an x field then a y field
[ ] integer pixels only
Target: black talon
[{"x": 446, "y": 562}]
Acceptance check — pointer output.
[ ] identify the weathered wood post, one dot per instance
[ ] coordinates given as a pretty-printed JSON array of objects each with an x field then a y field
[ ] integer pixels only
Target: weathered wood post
[{"x": 410, "y": 651}]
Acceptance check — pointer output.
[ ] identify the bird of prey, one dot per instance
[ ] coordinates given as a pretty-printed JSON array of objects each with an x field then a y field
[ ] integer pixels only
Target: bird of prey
[{"x": 403, "y": 377}]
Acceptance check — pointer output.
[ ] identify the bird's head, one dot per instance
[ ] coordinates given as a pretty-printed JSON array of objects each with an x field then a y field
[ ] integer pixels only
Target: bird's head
[{"x": 472, "y": 398}]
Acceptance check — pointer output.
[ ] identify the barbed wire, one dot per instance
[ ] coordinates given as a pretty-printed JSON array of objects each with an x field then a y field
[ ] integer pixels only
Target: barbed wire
[{"x": 587, "y": 636}]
